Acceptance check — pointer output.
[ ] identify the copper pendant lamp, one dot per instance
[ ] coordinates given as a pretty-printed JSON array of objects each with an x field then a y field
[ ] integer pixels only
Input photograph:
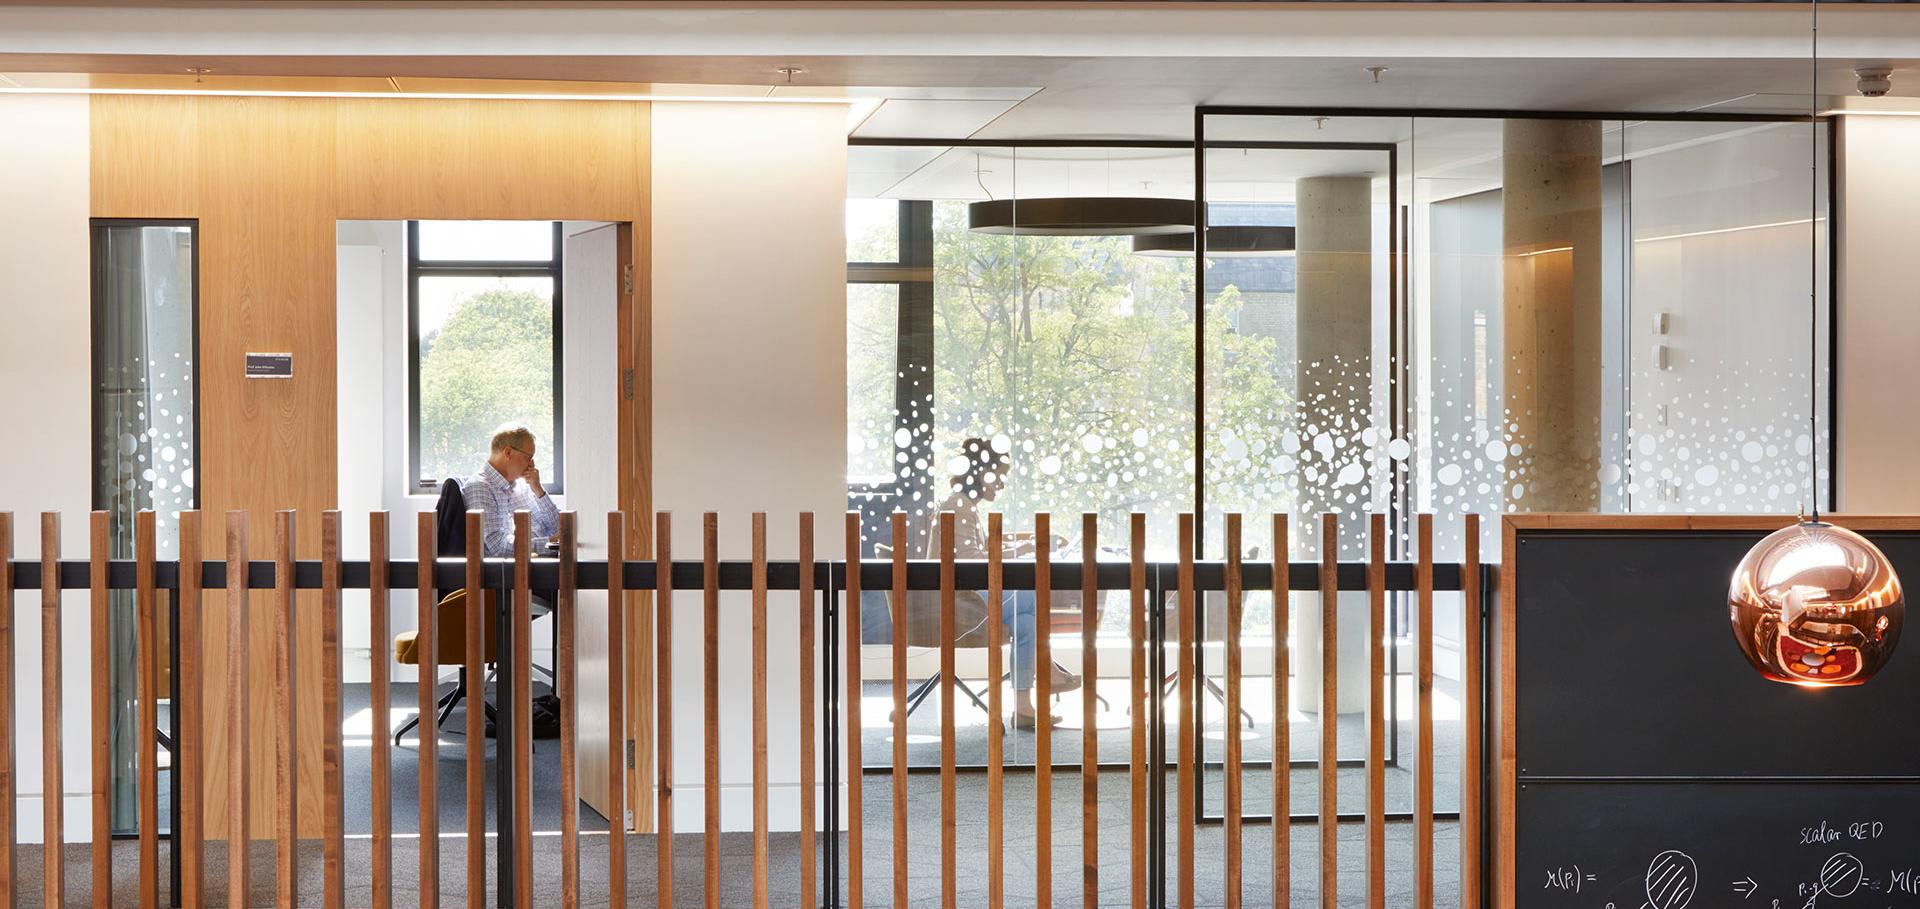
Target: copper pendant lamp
[{"x": 1813, "y": 604}]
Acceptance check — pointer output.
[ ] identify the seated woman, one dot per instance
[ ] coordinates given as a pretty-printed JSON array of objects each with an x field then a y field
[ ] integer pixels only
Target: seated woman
[{"x": 982, "y": 479}]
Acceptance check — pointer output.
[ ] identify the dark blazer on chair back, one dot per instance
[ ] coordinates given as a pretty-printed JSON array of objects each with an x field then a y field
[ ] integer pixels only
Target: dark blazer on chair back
[{"x": 450, "y": 519}]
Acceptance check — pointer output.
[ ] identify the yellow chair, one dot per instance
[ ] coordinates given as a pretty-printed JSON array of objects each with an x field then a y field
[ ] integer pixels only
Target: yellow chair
[{"x": 450, "y": 621}]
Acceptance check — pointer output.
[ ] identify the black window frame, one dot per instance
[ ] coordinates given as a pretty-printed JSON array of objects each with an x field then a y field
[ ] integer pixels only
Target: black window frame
[
  {"x": 554, "y": 269},
  {"x": 911, "y": 272}
]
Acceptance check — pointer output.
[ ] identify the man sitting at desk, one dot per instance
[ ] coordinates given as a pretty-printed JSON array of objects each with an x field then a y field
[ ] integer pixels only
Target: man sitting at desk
[{"x": 508, "y": 482}]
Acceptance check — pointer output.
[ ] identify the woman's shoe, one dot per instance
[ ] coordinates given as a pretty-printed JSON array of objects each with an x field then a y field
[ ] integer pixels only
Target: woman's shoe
[
  {"x": 1030, "y": 720},
  {"x": 1061, "y": 681}
]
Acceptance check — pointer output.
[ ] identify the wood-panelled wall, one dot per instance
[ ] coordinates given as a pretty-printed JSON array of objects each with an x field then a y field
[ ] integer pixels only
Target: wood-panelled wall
[{"x": 267, "y": 178}]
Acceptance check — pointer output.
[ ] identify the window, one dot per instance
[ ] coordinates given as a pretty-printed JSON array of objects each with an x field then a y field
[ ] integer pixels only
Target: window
[{"x": 483, "y": 311}]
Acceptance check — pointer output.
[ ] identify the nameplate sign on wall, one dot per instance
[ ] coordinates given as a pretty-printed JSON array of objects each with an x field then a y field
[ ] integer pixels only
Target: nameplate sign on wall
[{"x": 269, "y": 365}]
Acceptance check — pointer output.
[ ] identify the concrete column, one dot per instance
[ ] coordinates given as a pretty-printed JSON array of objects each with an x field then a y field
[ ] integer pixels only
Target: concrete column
[
  {"x": 1552, "y": 310},
  {"x": 1334, "y": 350}
]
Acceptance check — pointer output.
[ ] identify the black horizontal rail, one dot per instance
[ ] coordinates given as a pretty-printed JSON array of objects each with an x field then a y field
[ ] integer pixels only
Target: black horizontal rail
[{"x": 544, "y": 574}]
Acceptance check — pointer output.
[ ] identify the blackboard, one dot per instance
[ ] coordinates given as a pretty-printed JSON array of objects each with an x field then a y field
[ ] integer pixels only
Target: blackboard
[
  {"x": 1690, "y": 845},
  {"x": 1627, "y": 667},
  {"x": 1646, "y": 745}
]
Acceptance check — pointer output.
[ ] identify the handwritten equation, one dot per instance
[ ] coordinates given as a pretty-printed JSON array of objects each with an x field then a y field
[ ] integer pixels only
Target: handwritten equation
[{"x": 1673, "y": 878}]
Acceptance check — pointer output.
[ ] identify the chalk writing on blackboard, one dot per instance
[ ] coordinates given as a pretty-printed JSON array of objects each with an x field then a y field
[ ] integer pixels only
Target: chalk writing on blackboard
[
  {"x": 1672, "y": 878},
  {"x": 1564, "y": 878}
]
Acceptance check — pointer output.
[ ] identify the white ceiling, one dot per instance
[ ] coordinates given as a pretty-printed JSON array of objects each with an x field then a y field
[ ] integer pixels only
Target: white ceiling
[{"x": 1005, "y": 71}]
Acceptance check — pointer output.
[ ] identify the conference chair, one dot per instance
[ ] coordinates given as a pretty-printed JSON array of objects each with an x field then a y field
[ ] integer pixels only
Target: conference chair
[{"x": 450, "y": 620}]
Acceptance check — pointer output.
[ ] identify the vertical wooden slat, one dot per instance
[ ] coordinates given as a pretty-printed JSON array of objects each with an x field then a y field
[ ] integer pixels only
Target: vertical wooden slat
[
  {"x": 188, "y": 768},
  {"x": 429, "y": 648},
  {"x": 1329, "y": 710},
  {"x": 521, "y": 703},
  {"x": 100, "y": 655},
  {"x": 949, "y": 801},
  {"x": 996, "y": 724},
  {"x": 1138, "y": 684},
  {"x": 710, "y": 674},
  {"x": 1282, "y": 717},
  {"x": 1377, "y": 713},
  {"x": 476, "y": 688},
  {"x": 898, "y": 601},
  {"x": 759, "y": 676},
  {"x": 53, "y": 805},
  {"x": 616, "y": 706},
  {"x": 567, "y": 681},
  {"x": 808, "y": 881},
  {"x": 1233, "y": 784},
  {"x": 1043, "y": 711},
  {"x": 286, "y": 725},
  {"x": 146, "y": 742},
  {"x": 1089, "y": 711},
  {"x": 1472, "y": 713},
  {"x": 332, "y": 767},
  {"x": 855, "y": 835},
  {"x": 1184, "y": 669},
  {"x": 9, "y": 783},
  {"x": 1423, "y": 730},
  {"x": 663, "y": 700},
  {"x": 238, "y": 721},
  {"x": 381, "y": 664}
]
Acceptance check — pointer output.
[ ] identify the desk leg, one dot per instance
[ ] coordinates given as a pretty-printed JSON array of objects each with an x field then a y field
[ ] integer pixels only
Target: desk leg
[{"x": 503, "y": 753}]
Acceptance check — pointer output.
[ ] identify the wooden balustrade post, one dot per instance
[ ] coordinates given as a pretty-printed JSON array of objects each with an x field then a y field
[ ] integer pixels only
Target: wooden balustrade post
[
  {"x": 381, "y": 662},
  {"x": 856, "y": 886},
  {"x": 52, "y": 784},
  {"x": 239, "y": 723},
  {"x": 147, "y": 714},
  {"x": 426, "y": 641}
]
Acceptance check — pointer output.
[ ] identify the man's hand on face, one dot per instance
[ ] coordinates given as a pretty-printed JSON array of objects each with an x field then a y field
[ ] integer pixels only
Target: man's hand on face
[{"x": 532, "y": 476}]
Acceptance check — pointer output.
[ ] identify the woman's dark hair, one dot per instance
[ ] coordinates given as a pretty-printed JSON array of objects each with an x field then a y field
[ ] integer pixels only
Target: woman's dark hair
[{"x": 982, "y": 459}]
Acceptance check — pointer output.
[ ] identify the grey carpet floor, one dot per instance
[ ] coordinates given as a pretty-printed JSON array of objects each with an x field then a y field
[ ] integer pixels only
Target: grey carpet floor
[{"x": 1112, "y": 862}]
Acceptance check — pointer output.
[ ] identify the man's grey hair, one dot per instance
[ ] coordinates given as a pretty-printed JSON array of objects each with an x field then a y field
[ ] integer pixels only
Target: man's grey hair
[{"x": 511, "y": 435}]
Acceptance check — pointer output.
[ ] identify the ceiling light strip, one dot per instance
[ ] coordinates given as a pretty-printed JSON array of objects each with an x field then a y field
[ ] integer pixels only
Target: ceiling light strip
[{"x": 430, "y": 96}]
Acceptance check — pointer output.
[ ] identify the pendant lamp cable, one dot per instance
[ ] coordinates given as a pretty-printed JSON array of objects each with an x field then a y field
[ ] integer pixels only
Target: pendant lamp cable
[{"x": 1813, "y": 267}]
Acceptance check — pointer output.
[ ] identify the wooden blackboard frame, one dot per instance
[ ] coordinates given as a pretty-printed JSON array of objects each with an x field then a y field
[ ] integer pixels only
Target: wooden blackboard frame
[{"x": 1506, "y": 632}]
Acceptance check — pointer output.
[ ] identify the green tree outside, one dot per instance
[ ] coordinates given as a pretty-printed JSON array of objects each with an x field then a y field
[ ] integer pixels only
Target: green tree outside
[{"x": 490, "y": 363}]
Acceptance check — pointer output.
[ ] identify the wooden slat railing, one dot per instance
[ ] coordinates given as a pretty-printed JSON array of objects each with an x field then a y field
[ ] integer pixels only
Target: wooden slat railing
[
  {"x": 157, "y": 584},
  {"x": 9, "y": 784},
  {"x": 53, "y": 810},
  {"x": 427, "y": 640},
  {"x": 287, "y": 719},
  {"x": 146, "y": 664},
  {"x": 239, "y": 720}
]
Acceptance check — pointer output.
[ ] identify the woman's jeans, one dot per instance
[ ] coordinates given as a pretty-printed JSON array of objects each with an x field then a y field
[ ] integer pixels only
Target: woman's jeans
[{"x": 1017, "y": 611}]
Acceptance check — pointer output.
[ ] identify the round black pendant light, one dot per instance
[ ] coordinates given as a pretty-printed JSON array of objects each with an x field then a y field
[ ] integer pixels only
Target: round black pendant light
[
  {"x": 1088, "y": 216},
  {"x": 1224, "y": 241}
]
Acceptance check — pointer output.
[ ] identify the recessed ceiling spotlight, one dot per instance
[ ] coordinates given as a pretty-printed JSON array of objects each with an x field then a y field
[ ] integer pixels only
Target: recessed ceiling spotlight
[{"x": 1376, "y": 71}]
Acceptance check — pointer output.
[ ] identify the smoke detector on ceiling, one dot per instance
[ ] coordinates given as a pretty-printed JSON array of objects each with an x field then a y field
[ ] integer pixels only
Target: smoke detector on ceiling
[{"x": 1873, "y": 81}]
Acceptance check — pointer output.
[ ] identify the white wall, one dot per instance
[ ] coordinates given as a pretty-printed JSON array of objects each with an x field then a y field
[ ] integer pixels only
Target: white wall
[
  {"x": 46, "y": 382},
  {"x": 1879, "y": 321},
  {"x": 749, "y": 395}
]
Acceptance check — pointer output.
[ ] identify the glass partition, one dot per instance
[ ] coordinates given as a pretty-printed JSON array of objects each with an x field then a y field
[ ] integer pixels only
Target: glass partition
[
  {"x": 145, "y": 434},
  {"x": 1394, "y": 315}
]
